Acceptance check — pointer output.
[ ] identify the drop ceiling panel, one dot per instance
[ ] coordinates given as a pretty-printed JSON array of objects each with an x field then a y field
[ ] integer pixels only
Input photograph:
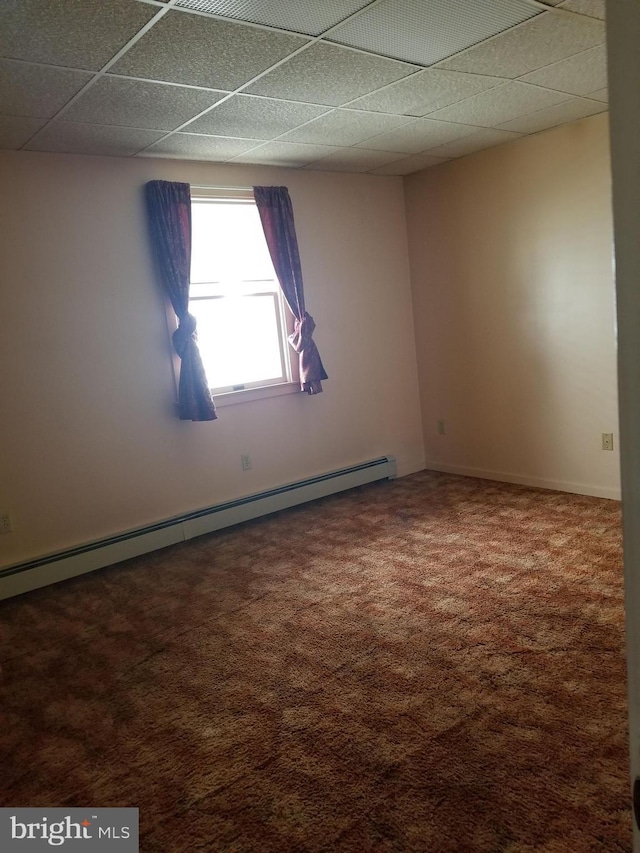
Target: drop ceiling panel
[
  {"x": 425, "y": 31},
  {"x": 310, "y": 18},
  {"x": 16, "y": 130},
  {"x": 71, "y": 138},
  {"x": 548, "y": 38},
  {"x": 553, "y": 116},
  {"x": 192, "y": 147},
  {"x": 285, "y": 154},
  {"x": 327, "y": 74},
  {"x": 354, "y": 160},
  {"x": 250, "y": 117},
  {"x": 409, "y": 164},
  {"x": 500, "y": 105},
  {"x": 480, "y": 139},
  {"x": 593, "y": 8},
  {"x": 355, "y": 99},
  {"x": 418, "y": 136},
  {"x": 344, "y": 127},
  {"x": 37, "y": 90},
  {"x": 134, "y": 103},
  {"x": 425, "y": 92},
  {"x": 580, "y": 74},
  {"x": 196, "y": 50},
  {"x": 75, "y": 33}
]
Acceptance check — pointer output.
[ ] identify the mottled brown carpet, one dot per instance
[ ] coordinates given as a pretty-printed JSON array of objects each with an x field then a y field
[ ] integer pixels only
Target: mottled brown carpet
[{"x": 433, "y": 664}]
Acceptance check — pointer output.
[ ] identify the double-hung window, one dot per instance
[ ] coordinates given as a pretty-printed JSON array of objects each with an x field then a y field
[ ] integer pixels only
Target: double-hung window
[{"x": 236, "y": 298}]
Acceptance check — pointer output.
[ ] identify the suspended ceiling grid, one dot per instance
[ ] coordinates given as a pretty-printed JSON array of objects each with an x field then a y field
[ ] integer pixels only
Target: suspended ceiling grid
[{"x": 385, "y": 86}]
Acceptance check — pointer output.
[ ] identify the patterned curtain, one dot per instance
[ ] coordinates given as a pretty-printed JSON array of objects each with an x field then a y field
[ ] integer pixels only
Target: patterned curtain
[
  {"x": 169, "y": 208},
  {"x": 276, "y": 213}
]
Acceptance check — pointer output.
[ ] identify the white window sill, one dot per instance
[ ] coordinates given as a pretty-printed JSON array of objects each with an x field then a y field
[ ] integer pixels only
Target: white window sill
[{"x": 248, "y": 395}]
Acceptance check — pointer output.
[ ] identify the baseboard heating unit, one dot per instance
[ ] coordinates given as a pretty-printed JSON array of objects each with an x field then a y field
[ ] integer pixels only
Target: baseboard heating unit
[{"x": 52, "y": 568}]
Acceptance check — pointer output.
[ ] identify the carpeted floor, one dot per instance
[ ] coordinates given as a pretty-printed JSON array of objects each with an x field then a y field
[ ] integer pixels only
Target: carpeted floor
[{"x": 433, "y": 664}]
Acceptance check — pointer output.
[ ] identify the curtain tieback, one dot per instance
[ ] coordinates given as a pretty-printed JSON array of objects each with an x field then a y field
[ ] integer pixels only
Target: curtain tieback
[
  {"x": 184, "y": 333},
  {"x": 303, "y": 330}
]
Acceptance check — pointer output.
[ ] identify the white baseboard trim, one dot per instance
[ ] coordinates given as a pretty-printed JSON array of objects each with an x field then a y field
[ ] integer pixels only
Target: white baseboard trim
[
  {"x": 52, "y": 568},
  {"x": 406, "y": 467},
  {"x": 525, "y": 480}
]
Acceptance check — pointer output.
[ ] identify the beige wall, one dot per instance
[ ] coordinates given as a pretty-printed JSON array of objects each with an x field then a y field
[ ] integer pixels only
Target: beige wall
[
  {"x": 510, "y": 256},
  {"x": 511, "y": 264},
  {"x": 90, "y": 444}
]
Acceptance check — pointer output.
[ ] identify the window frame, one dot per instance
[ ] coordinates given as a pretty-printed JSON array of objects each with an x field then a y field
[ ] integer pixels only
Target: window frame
[{"x": 289, "y": 382}]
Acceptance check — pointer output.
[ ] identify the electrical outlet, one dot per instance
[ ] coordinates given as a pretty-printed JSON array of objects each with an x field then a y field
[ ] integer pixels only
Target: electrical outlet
[
  {"x": 607, "y": 441},
  {"x": 245, "y": 458},
  {"x": 5, "y": 523},
  {"x": 441, "y": 428}
]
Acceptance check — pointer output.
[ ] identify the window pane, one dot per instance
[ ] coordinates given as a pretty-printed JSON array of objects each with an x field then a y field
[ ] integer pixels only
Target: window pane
[
  {"x": 228, "y": 244},
  {"x": 238, "y": 339}
]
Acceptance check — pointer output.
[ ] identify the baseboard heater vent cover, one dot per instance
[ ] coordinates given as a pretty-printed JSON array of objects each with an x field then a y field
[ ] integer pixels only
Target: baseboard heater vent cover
[{"x": 52, "y": 568}]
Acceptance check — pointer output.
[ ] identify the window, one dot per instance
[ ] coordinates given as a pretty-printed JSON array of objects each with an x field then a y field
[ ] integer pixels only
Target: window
[{"x": 236, "y": 298}]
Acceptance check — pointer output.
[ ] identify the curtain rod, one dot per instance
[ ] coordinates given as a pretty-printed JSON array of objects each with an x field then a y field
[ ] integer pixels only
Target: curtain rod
[{"x": 207, "y": 187}]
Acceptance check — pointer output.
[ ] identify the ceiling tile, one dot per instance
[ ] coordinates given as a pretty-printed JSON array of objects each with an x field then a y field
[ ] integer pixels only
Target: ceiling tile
[
  {"x": 16, "y": 130},
  {"x": 344, "y": 127},
  {"x": 408, "y": 165},
  {"x": 250, "y": 117},
  {"x": 600, "y": 95},
  {"x": 285, "y": 154},
  {"x": 499, "y": 105},
  {"x": 551, "y": 36},
  {"x": 310, "y": 18},
  {"x": 327, "y": 74},
  {"x": 418, "y": 135},
  {"x": 387, "y": 108},
  {"x": 480, "y": 139},
  {"x": 425, "y": 31},
  {"x": 37, "y": 90},
  {"x": 354, "y": 160},
  {"x": 194, "y": 49},
  {"x": 75, "y": 33},
  {"x": 593, "y": 8},
  {"x": 424, "y": 92},
  {"x": 70, "y": 138},
  {"x": 585, "y": 72},
  {"x": 133, "y": 103},
  {"x": 553, "y": 116},
  {"x": 189, "y": 146}
]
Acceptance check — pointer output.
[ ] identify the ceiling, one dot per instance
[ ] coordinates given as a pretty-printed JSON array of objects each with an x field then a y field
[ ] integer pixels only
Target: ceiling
[{"x": 381, "y": 86}]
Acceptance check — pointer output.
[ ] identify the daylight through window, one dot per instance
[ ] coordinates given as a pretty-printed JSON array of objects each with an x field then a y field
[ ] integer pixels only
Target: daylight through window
[{"x": 236, "y": 298}]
